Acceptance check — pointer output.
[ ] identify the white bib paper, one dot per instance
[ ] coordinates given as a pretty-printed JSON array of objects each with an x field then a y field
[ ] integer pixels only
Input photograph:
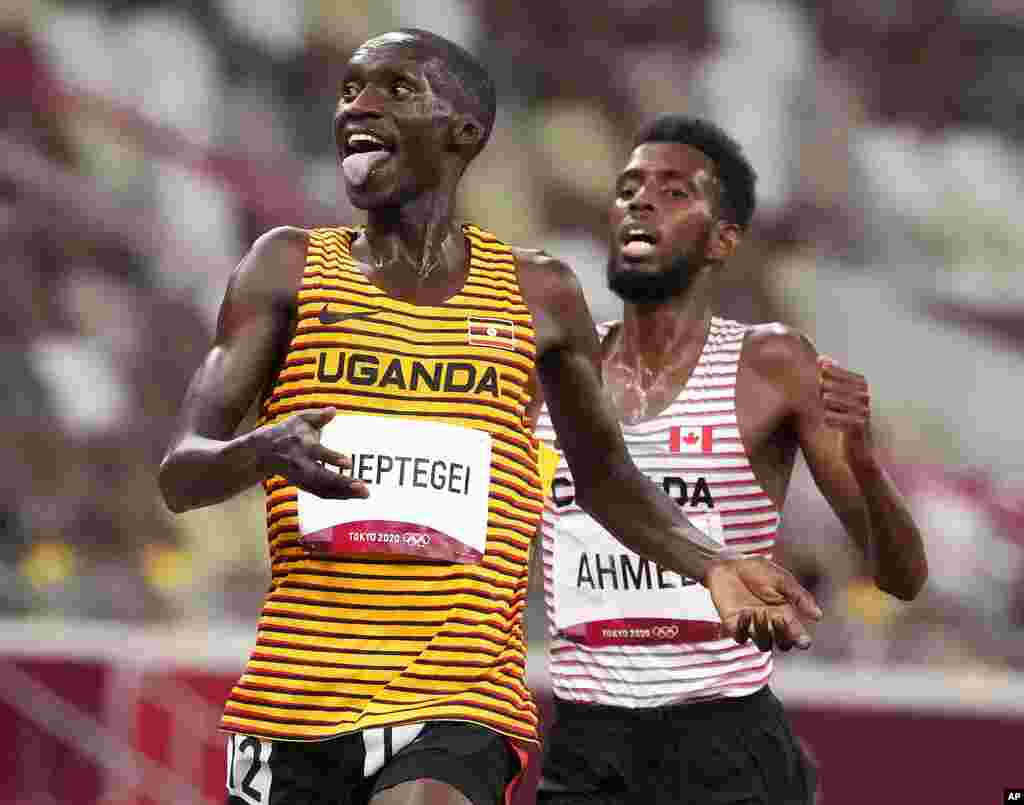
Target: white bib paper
[
  {"x": 429, "y": 484},
  {"x": 604, "y": 594}
]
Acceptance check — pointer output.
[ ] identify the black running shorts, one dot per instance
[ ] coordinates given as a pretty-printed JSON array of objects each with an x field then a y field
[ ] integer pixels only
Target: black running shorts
[
  {"x": 351, "y": 769},
  {"x": 726, "y": 751}
]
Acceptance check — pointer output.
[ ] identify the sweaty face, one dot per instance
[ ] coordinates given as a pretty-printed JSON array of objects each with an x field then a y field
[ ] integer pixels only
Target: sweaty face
[
  {"x": 661, "y": 221},
  {"x": 391, "y": 126}
]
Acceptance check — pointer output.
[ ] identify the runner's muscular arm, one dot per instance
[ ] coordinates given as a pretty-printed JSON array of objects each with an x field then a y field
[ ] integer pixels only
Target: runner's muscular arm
[
  {"x": 831, "y": 408},
  {"x": 609, "y": 487},
  {"x": 206, "y": 462}
]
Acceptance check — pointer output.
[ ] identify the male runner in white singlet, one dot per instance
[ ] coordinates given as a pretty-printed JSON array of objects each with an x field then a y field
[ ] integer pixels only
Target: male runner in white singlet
[{"x": 651, "y": 705}]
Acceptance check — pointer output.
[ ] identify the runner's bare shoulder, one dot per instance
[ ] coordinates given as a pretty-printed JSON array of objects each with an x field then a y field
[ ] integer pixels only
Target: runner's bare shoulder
[
  {"x": 545, "y": 278},
  {"x": 272, "y": 267},
  {"x": 778, "y": 351}
]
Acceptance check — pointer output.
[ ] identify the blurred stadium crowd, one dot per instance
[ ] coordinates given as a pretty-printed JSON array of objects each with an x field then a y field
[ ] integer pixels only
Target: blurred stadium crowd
[{"x": 146, "y": 144}]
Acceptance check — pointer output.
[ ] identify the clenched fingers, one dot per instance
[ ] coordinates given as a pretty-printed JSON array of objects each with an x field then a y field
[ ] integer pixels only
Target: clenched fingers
[
  {"x": 859, "y": 404},
  {"x": 832, "y": 373},
  {"x": 842, "y": 387}
]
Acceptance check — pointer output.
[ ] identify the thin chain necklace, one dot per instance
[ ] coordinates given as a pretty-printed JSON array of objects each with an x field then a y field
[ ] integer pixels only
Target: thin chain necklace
[
  {"x": 425, "y": 268},
  {"x": 422, "y": 272}
]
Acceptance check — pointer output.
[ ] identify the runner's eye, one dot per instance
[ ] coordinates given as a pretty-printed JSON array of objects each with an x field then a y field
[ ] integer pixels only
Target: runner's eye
[
  {"x": 401, "y": 90},
  {"x": 349, "y": 91}
]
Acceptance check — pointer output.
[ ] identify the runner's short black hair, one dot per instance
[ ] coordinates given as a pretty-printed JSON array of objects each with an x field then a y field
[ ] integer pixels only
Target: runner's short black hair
[
  {"x": 735, "y": 173},
  {"x": 475, "y": 87}
]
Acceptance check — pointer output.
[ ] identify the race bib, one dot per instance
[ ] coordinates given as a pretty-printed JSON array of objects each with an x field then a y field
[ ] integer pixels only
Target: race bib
[
  {"x": 429, "y": 484},
  {"x": 604, "y": 594}
]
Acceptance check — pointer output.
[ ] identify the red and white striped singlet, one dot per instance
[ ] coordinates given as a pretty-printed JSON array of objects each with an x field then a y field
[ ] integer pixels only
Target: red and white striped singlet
[{"x": 623, "y": 631}]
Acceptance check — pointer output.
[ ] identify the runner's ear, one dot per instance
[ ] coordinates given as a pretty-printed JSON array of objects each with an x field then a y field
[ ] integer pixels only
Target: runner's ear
[
  {"x": 725, "y": 237},
  {"x": 467, "y": 133}
]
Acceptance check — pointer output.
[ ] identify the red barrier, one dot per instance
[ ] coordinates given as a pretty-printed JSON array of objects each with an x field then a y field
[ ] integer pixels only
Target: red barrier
[
  {"x": 38, "y": 764},
  {"x": 106, "y": 718}
]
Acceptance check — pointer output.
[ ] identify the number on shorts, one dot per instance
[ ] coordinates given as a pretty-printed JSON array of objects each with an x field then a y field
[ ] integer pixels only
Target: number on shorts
[{"x": 247, "y": 757}]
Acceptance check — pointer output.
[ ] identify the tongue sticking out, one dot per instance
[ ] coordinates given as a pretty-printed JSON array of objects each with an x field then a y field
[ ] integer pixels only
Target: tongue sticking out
[{"x": 357, "y": 167}]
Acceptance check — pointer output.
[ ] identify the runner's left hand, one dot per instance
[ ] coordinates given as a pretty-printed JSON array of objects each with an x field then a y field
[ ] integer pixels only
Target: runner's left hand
[{"x": 847, "y": 401}]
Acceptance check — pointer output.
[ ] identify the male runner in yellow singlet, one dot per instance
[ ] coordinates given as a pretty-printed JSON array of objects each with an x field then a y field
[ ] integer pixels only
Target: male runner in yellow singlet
[
  {"x": 651, "y": 704},
  {"x": 389, "y": 663}
]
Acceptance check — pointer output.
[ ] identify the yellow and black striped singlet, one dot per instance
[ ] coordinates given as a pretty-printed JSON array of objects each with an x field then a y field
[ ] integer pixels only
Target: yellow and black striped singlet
[{"x": 354, "y": 642}]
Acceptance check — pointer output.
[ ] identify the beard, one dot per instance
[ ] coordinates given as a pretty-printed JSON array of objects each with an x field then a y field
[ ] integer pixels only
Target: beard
[{"x": 643, "y": 287}]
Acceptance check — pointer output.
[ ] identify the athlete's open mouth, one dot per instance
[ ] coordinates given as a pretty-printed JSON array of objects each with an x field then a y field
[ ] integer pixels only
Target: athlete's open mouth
[
  {"x": 364, "y": 150},
  {"x": 363, "y": 142},
  {"x": 637, "y": 242}
]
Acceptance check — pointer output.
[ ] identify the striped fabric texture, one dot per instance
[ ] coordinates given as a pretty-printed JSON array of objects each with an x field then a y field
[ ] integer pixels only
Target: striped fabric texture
[
  {"x": 695, "y": 438},
  {"x": 347, "y": 643}
]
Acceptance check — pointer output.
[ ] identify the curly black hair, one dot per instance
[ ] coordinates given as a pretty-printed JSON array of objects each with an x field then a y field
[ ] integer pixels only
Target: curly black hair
[{"x": 735, "y": 173}]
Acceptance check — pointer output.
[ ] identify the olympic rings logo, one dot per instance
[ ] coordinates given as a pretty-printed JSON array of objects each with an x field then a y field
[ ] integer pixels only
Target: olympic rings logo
[
  {"x": 664, "y": 632},
  {"x": 417, "y": 540}
]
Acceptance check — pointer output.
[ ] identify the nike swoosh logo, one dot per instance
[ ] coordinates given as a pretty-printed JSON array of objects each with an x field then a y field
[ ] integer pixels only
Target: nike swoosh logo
[{"x": 327, "y": 317}]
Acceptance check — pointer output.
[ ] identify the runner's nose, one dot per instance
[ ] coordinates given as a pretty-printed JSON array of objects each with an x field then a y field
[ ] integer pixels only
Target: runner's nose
[{"x": 640, "y": 201}]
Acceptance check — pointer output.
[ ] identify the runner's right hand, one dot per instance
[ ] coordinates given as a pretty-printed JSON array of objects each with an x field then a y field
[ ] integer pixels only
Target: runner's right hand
[
  {"x": 293, "y": 450},
  {"x": 761, "y": 601}
]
